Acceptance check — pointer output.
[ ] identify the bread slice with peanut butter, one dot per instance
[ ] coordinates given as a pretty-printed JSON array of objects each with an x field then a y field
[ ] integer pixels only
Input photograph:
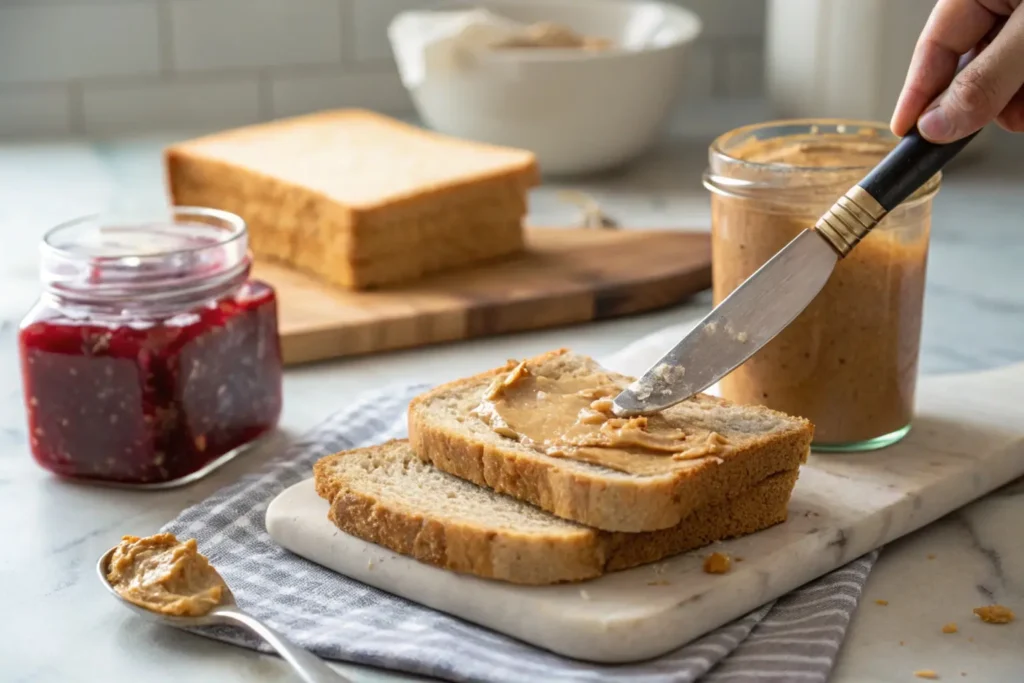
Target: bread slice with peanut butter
[
  {"x": 387, "y": 495},
  {"x": 523, "y": 430}
]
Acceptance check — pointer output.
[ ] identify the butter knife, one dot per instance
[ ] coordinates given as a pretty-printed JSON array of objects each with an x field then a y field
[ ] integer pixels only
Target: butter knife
[{"x": 770, "y": 299}]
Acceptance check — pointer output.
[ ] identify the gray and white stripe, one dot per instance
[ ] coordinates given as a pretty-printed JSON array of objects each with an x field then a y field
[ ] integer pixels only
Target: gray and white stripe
[{"x": 795, "y": 638}]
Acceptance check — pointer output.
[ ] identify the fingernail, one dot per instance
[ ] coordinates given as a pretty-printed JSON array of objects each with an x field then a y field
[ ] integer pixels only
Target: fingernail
[{"x": 935, "y": 125}]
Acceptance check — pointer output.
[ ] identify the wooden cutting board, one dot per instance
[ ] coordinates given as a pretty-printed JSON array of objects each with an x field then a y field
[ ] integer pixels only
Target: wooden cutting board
[
  {"x": 967, "y": 440},
  {"x": 567, "y": 275}
]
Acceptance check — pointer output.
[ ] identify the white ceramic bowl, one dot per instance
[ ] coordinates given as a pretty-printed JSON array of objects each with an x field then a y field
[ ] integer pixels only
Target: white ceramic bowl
[{"x": 578, "y": 111}]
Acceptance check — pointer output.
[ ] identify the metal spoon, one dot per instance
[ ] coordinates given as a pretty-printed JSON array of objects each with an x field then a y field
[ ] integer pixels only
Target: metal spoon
[{"x": 310, "y": 668}]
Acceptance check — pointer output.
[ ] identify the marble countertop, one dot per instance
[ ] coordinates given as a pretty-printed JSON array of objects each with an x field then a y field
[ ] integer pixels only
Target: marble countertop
[{"x": 59, "y": 625}]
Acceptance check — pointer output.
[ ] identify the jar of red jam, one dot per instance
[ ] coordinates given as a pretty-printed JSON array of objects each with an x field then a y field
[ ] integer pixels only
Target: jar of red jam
[{"x": 151, "y": 357}]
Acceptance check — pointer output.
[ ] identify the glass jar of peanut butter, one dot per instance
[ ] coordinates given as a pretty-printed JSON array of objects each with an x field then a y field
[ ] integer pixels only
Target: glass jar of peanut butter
[{"x": 848, "y": 363}]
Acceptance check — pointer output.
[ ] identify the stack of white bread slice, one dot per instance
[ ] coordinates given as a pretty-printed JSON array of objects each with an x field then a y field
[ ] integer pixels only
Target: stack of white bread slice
[
  {"x": 523, "y": 474},
  {"x": 359, "y": 200}
]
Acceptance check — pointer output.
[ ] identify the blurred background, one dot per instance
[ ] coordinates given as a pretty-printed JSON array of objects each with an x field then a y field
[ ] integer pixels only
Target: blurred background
[{"x": 93, "y": 67}]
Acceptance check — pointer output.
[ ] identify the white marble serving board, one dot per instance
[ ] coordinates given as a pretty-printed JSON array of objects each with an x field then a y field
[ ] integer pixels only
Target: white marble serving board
[{"x": 968, "y": 439}]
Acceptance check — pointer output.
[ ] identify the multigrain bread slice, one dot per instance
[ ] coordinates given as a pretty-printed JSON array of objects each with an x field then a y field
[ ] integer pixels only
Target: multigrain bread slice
[
  {"x": 760, "y": 443},
  {"x": 387, "y": 495},
  {"x": 358, "y": 199}
]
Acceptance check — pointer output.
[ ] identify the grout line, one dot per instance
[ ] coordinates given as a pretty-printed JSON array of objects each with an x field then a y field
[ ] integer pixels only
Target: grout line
[
  {"x": 381, "y": 67},
  {"x": 165, "y": 36},
  {"x": 374, "y": 67},
  {"x": 347, "y": 14},
  {"x": 747, "y": 46},
  {"x": 719, "y": 69},
  {"x": 76, "y": 108},
  {"x": 31, "y": 86},
  {"x": 375, "y": 64},
  {"x": 169, "y": 78}
]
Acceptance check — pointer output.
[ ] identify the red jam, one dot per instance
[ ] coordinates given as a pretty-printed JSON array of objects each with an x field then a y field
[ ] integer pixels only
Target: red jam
[{"x": 141, "y": 398}]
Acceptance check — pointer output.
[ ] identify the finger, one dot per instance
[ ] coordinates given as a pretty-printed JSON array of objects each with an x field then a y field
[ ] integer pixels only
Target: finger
[
  {"x": 952, "y": 29},
  {"x": 1011, "y": 118},
  {"x": 980, "y": 92}
]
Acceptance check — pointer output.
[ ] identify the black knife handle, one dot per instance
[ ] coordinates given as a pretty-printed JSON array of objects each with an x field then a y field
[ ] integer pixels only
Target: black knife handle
[{"x": 909, "y": 166}]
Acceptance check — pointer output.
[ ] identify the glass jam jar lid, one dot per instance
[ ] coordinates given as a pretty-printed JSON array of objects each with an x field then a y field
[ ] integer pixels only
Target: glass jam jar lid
[{"x": 103, "y": 259}]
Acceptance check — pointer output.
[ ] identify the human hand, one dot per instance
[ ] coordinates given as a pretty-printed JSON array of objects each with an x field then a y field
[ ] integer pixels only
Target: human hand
[{"x": 986, "y": 35}]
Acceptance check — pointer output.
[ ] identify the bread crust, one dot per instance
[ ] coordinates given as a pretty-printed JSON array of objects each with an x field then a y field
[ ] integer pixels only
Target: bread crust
[
  {"x": 629, "y": 504},
  {"x": 394, "y": 233},
  {"x": 576, "y": 554}
]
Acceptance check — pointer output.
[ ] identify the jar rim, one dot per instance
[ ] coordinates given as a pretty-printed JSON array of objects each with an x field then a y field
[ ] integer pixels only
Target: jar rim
[
  {"x": 840, "y": 125},
  {"x": 747, "y": 177},
  {"x": 124, "y": 260},
  {"x": 237, "y": 229}
]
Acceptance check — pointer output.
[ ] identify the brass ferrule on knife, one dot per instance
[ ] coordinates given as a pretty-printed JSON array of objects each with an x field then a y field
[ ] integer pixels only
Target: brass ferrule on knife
[{"x": 850, "y": 219}]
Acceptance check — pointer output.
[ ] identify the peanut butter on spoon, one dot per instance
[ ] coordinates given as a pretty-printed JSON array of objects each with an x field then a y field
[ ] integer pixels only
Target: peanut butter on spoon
[{"x": 165, "y": 575}]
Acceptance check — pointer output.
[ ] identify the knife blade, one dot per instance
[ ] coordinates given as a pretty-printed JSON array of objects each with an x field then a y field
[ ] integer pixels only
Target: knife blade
[
  {"x": 750, "y": 317},
  {"x": 770, "y": 299}
]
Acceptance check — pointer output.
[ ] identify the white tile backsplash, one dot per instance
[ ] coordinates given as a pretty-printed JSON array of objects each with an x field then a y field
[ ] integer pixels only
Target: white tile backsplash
[
  {"x": 35, "y": 110},
  {"x": 107, "y": 65},
  {"x": 371, "y": 19},
  {"x": 60, "y": 43},
  {"x": 700, "y": 71},
  {"x": 217, "y": 34},
  {"x": 379, "y": 90},
  {"x": 744, "y": 69},
  {"x": 729, "y": 18},
  {"x": 171, "y": 105}
]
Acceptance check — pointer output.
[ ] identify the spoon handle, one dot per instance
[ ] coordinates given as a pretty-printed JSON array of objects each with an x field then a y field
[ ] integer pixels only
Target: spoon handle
[{"x": 310, "y": 668}]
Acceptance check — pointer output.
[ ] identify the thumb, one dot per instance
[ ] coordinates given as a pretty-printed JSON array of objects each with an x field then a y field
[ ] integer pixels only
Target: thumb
[
  {"x": 973, "y": 99},
  {"x": 982, "y": 88}
]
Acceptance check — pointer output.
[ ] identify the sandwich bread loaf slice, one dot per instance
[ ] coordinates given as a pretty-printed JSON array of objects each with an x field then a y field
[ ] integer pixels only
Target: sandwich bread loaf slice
[
  {"x": 702, "y": 452},
  {"x": 387, "y": 495},
  {"x": 357, "y": 199}
]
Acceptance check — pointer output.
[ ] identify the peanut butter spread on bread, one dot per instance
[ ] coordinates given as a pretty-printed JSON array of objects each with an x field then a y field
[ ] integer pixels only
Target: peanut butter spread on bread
[
  {"x": 572, "y": 417},
  {"x": 166, "y": 576}
]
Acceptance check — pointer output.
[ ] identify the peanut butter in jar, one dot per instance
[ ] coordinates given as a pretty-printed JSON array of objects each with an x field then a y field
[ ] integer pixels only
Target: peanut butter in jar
[{"x": 848, "y": 363}]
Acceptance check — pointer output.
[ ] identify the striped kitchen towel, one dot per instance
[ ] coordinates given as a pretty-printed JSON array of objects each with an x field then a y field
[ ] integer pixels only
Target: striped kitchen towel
[{"x": 795, "y": 638}]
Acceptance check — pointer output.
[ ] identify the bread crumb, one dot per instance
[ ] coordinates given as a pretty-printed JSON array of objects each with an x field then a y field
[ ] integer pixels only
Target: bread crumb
[
  {"x": 931, "y": 556},
  {"x": 995, "y": 614},
  {"x": 883, "y": 603},
  {"x": 369, "y": 565},
  {"x": 659, "y": 568},
  {"x": 742, "y": 337},
  {"x": 902, "y": 643},
  {"x": 711, "y": 327},
  {"x": 737, "y": 559},
  {"x": 926, "y": 673},
  {"x": 717, "y": 563},
  {"x": 659, "y": 582},
  {"x": 584, "y": 594},
  {"x": 949, "y": 628}
]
